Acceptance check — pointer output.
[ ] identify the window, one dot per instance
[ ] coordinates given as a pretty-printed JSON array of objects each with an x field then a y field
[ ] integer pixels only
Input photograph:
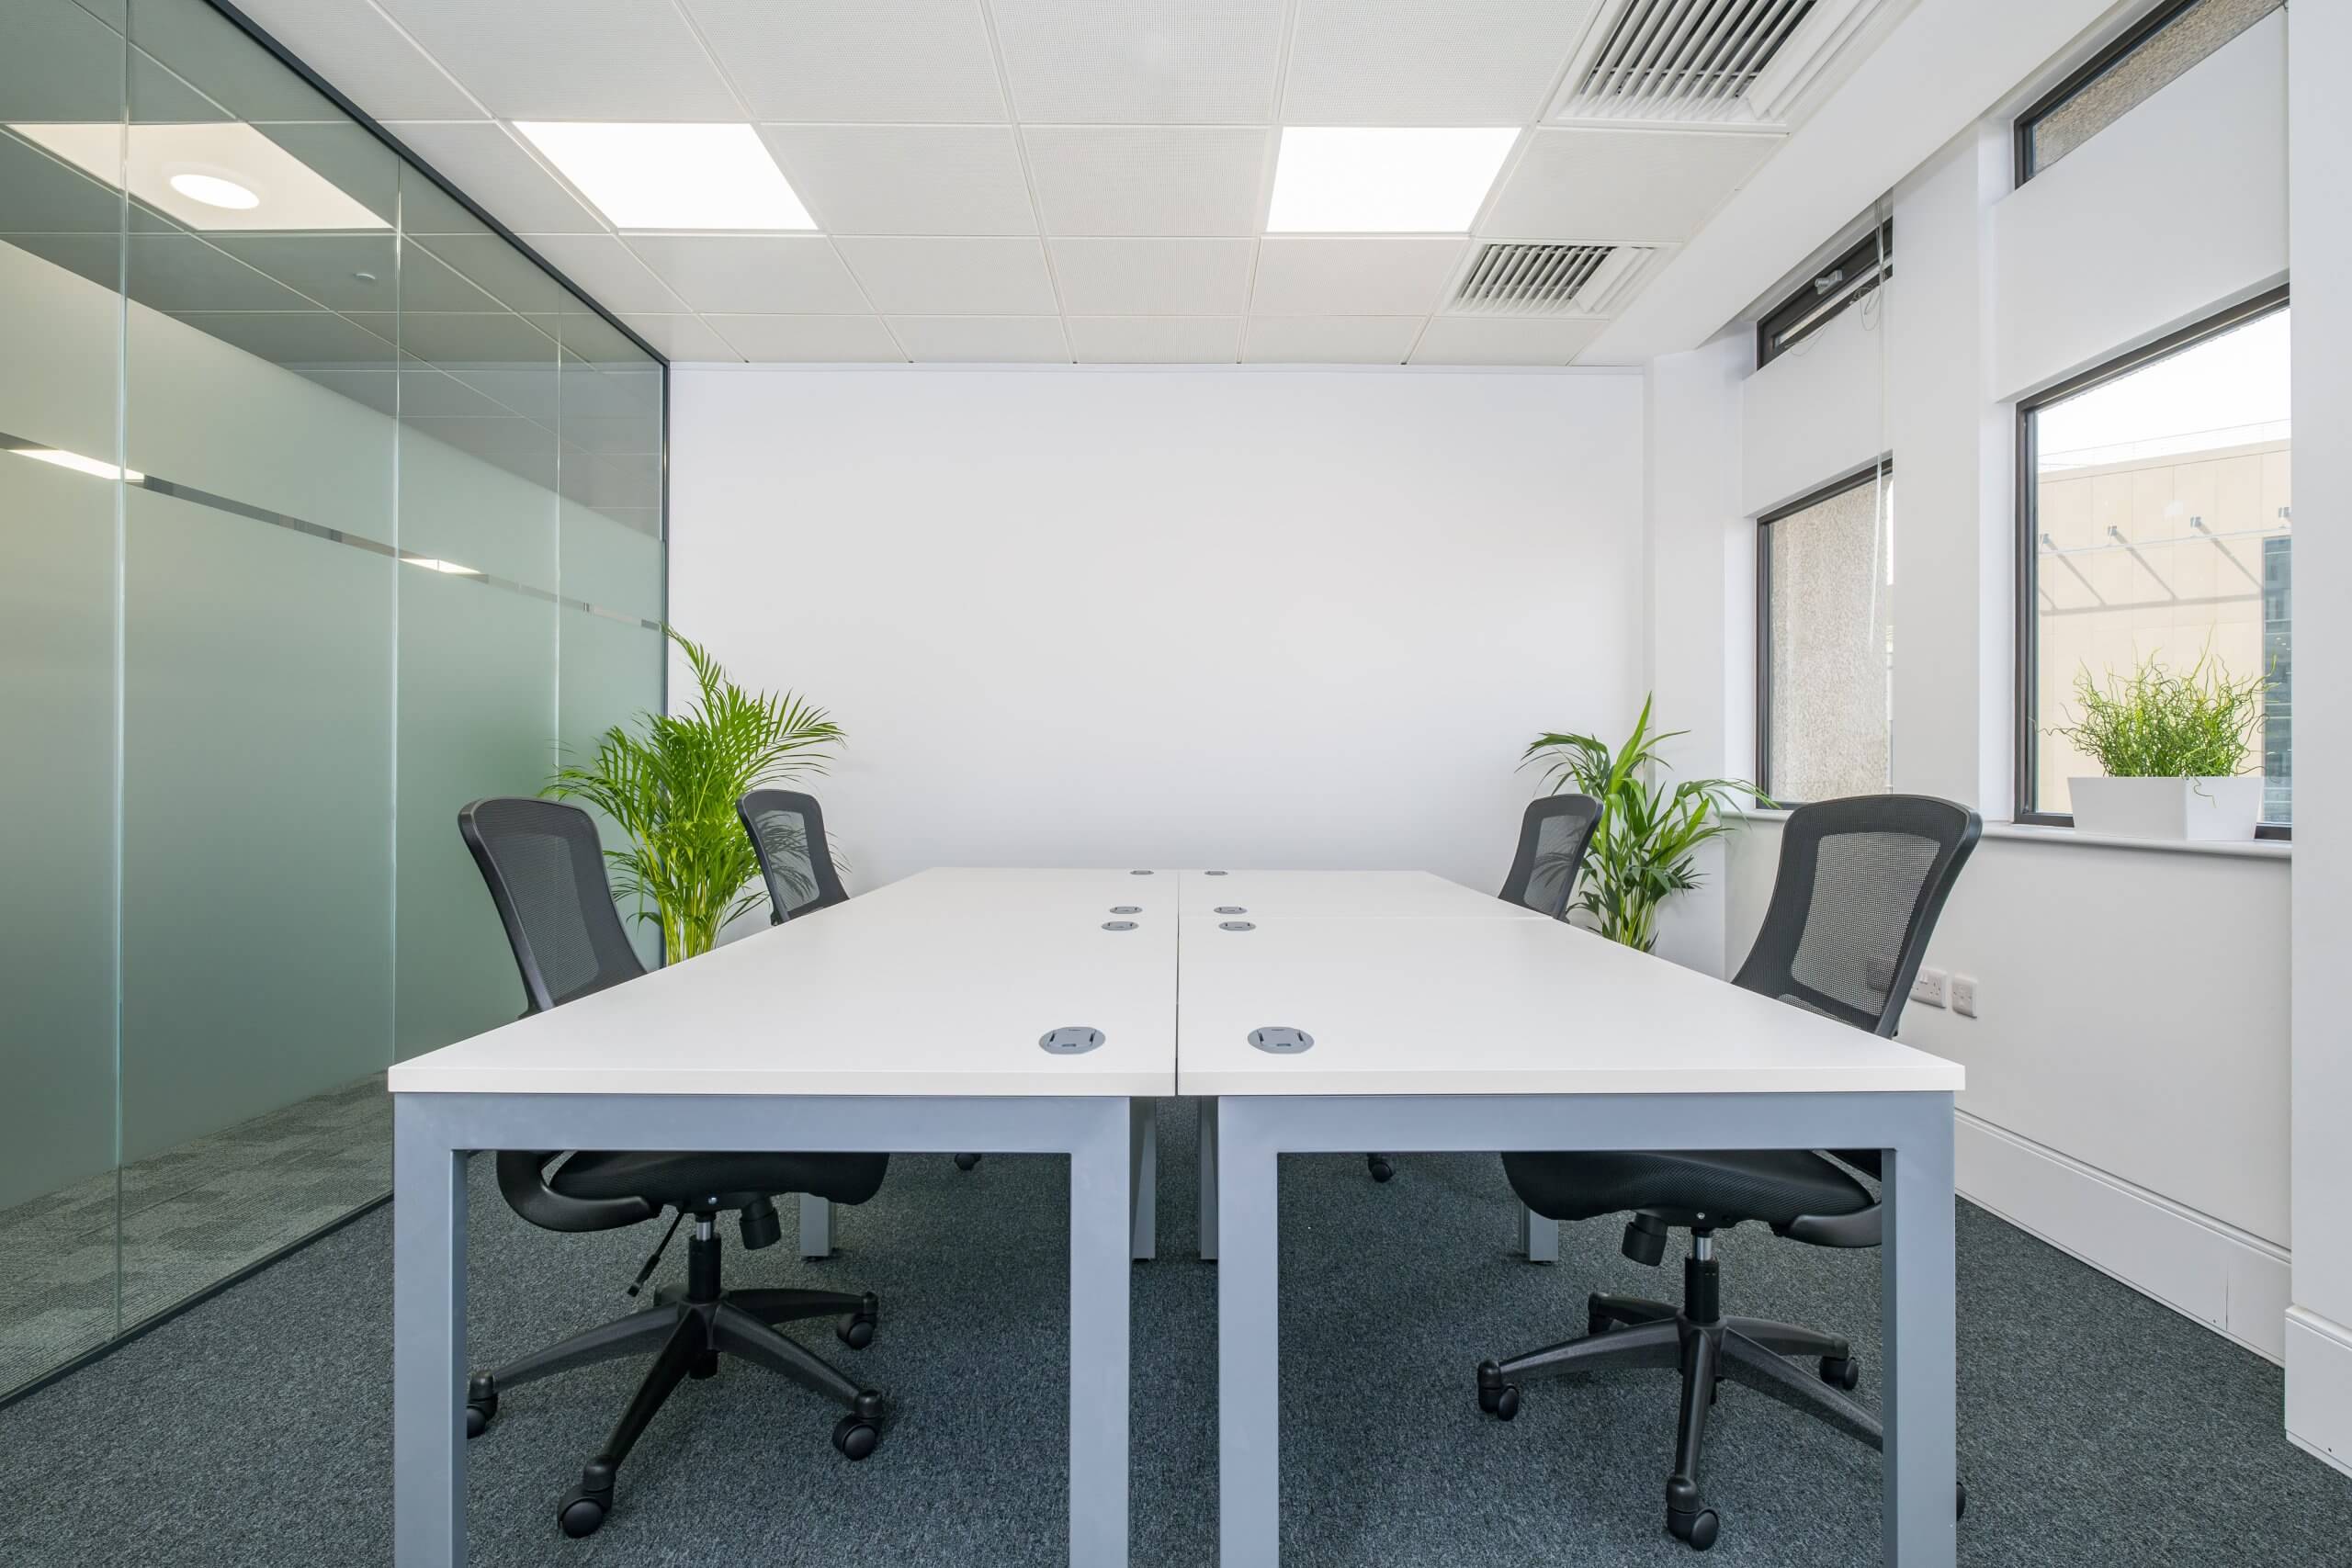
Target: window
[
  {"x": 1824, "y": 641},
  {"x": 2157, "y": 523},
  {"x": 1869, "y": 263},
  {"x": 2126, "y": 73}
]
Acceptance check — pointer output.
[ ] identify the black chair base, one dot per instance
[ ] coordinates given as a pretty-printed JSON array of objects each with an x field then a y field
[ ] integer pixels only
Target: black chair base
[
  {"x": 1380, "y": 1167},
  {"x": 688, "y": 1330},
  {"x": 1706, "y": 1347}
]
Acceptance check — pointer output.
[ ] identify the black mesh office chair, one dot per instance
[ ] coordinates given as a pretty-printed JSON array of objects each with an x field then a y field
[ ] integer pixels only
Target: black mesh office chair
[
  {"x": 546, "y": 871},
  {"x": 1553, "y": 833},
  {"x": 1860, "y": 886},
  {"x": 787, "y": 831}
]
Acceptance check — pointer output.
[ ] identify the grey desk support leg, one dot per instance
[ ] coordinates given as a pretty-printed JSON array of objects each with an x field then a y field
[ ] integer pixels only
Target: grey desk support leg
[
  {"x": 1143, "y": 1177},
  {"x": 1918, "y": 1404},
  {"x": 1249, "y": 1391},
  {"x": 1208, "y": 1178},
  {"x": 1100, "y": 1271},
  {"x": 816, "y": 1226},
  {"x": 1538, "y": 1239},
  {"x": 428, "y": 1341}
]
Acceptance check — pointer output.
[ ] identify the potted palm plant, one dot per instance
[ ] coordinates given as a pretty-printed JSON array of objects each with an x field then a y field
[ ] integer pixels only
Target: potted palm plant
[
  {"x": 2171, "y": 749},
  {"x": 672, "y": 787},
  {"x": 1643, "y": 848}
]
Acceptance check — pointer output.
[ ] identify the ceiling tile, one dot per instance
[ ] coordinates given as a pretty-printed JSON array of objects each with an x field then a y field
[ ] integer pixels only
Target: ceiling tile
[
  {"x": 1155, "y": 340},
  {"x": 683, "y": 337},
  {"x": 1428, "y": 61},
  {"x": 1623, "y": 185},
  {"x": 1001, "y": 339},
  {"x": 753, "y": 274},
  {"x": 1380, "y": 275},
  {"x": 1330, "y": 340},
  {"x": 1153, "y": 277},
  {"x": 369, "y": 60},
  {"x": 825, "y": 340},
  {"x": 1148, "y": 61},
  {"x": 936, "y": 277},
  {"x": 1103, "y": 179},
  {"x": 485, "y": 161},
  {"x": 907, "y": 179},
  {"x": 572, "y": 59},
  {"x": 910, "y": 61},
  {"x": 608, "y": 271},
  {"x": 1505, "y": 340}
]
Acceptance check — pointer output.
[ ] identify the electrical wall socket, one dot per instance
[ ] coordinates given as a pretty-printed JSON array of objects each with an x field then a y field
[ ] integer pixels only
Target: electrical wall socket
[
  {"x": 1963, "y": 995},
  {"x": 1928, "y": 987}
]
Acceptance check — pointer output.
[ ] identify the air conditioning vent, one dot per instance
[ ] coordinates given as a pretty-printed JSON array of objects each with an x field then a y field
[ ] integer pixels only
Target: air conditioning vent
[
  {"x": 1741, "y": 62},
  {"x": 1547, "y": 280}
]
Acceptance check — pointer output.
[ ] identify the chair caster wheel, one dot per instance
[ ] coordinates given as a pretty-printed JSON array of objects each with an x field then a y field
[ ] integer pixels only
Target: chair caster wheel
[
  {"x": 966, "y": 1162},
  {"x": 1841, "y": 1371},
  {"x": 1379, "y": 1166},
  {"x": 856, "y": 1437},
  {"x": 1960, "y": 1500},
  {"x": 706, "y": 1365},
  {"x": 581, "y": 1513},
  {"x": 1495, "y": 1397},
  {"x": 481, "y": 1405},
  {"x": 1697, "y": 1530},
  {"x": 856, "y": 1330}
]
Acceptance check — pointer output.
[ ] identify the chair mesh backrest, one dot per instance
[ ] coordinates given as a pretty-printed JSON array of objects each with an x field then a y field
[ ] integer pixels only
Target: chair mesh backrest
[
  {"x": 546, "y": 872},
  {"x": 1860, "y": 885},
  {"x": 1552, "y": 838},
  {"x": 788, "y": 835}
]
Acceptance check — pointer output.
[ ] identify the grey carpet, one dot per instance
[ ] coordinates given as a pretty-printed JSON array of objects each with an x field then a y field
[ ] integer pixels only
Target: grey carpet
[{"x": 2097, "y": 1427}]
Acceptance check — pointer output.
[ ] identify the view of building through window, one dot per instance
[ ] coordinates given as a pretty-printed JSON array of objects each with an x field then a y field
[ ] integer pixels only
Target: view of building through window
[
  {"x": 2162, "y": 528},
  {"x": 1829, "y": 567}
]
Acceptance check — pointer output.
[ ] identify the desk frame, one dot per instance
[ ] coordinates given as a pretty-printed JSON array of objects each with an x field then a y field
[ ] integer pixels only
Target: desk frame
[
  {"x": 434, "y": 1133},
  {"x": 1914, "y": 1129}
]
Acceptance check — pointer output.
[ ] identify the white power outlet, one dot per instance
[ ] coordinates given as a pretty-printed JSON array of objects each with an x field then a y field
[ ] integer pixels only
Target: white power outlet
[
  {"x": 1928, "y": 987},
  {"x": 1963, "y": 995}
]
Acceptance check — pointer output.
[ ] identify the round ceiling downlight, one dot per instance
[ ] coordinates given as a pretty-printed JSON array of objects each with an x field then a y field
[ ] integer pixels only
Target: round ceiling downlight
[{"x": 214, "y": 191}]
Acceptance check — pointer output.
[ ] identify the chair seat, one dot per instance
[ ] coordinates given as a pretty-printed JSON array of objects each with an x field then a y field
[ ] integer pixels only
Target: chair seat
[
  {"x": 705, "y": 1180},
  {"x": 1714, "y": 1187}
]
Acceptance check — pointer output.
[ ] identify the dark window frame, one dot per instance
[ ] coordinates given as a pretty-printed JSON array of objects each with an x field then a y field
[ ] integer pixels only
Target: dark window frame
[
  {"x": 2025, "y": 726},
  {"x": 1880, "y": 469},
  {"x": 2090, "y": 70},
  {"x": 1805, "y": 298}
]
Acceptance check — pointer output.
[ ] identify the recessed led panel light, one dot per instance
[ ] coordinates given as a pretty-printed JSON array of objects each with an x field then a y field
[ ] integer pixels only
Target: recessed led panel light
[
  {"x": 218, "y": 175},
  {"x": 79, "y": 464},
  {"x": 1337, "y": 180},
  {"x": 672, "y": 176}
]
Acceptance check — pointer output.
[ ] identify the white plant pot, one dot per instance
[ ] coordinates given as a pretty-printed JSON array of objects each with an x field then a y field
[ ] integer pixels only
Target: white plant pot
[{"x": 2174, "y": 809}]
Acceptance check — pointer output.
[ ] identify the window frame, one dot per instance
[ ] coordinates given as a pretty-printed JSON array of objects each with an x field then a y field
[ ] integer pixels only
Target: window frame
[
  {"x": 1879, "y": 469},
  {"x": 2026, "y": 650},
  {"x": 1804, "y": 298},
  {"x": 2128, "y": 42}
]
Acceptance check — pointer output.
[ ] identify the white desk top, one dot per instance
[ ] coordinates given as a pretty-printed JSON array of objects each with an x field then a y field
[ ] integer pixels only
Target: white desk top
[
  {"x": 938, "y": 984},
  {"x": 1342, "y": 893},
  {"x": 1437, "y": 1006}
]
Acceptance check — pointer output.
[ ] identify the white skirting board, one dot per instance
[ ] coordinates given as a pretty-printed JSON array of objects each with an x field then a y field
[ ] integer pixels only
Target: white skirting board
[
  {"x": 2319, "y": 1387},
  {"x": 2226, "y": 1279}
]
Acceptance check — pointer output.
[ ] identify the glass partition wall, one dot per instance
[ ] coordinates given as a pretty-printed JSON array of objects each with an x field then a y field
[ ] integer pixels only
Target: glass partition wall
[{"x": 323, "y": 509}]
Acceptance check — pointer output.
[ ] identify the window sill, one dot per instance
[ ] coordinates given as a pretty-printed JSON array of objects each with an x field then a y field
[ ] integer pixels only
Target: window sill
[{"x": 2036, "y": 833}]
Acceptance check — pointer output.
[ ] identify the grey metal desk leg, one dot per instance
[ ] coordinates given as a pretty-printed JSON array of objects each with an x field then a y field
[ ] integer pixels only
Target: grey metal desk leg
[
  {"x": 816, "y": 1226},
  {"x": 1098, "y": 1273},
  {"x": 1208, "y": 1178},
  {"x": 1539, "y": 1238},
  {"x": 1143, "y": 1177},
  {"x": 1917, "y": 1401},
  {"x": 1248, "y": 1326},
  {"x": 428, "y": 1342}
]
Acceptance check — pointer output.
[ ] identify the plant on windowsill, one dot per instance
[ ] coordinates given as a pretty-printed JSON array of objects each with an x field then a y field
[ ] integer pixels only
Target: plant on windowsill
[
  {"x": 1645, "y": 846},
  {"x": 672, "y": 788},
  {"x": 2172, "y": 747}
]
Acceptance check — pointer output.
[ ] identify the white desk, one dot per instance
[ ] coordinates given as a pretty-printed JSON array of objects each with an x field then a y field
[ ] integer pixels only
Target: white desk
[
  {"x": 900, "y": 1020},
  {"x": 1479, "y": 1035}
]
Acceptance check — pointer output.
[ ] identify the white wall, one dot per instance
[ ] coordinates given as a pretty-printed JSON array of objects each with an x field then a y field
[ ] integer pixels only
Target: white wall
[{"x": 1170, "y": 617}]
